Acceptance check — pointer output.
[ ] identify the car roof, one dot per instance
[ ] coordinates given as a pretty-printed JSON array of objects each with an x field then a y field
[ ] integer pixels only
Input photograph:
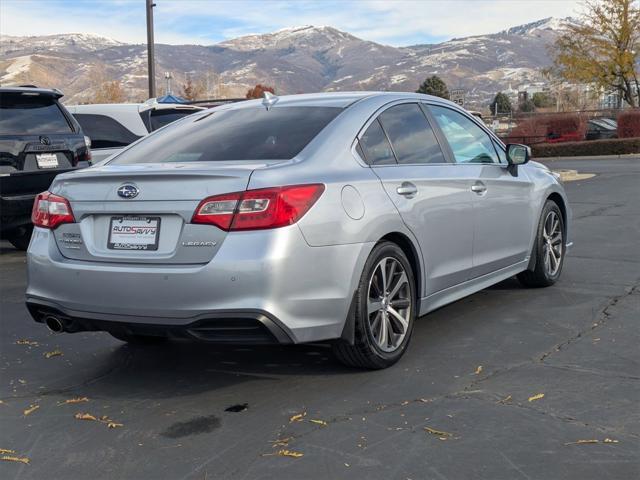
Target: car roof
[
  {"x": 135, "y": 107},
  {"x": 54, "y": 92},
  {"x": 327, "y": 99}
]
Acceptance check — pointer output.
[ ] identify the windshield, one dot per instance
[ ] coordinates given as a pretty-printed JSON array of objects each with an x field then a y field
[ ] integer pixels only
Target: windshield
[
  {"x": 228, "y": 135},
  {"x": 31, "y": 114}
]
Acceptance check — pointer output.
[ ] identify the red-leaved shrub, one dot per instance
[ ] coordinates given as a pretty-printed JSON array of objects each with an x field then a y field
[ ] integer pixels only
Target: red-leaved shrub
[
  {"x": 629, "y": 123},
  {"x": 557, "y": 127}
]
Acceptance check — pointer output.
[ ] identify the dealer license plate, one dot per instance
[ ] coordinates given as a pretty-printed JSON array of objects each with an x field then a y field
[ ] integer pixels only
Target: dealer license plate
[
  {"x": 47, "y": 160},
  {"x": 134, "y": 233}
]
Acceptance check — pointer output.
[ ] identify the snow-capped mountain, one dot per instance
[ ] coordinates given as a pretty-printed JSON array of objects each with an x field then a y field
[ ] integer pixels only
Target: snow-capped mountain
[{"x": 293, "y": 60}]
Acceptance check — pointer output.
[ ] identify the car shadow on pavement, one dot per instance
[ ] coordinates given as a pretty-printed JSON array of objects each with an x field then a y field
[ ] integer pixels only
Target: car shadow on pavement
[{"x": 180, "y": 368}]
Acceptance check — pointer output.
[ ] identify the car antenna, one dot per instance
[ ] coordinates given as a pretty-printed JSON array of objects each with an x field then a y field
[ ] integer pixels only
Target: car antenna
[{"x": 269, "y": 99}]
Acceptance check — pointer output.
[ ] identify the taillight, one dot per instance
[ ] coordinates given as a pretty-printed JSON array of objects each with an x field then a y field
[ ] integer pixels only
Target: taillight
[
  {"x": 258, "y": 209},
  {"x": 51, "y": 210}
]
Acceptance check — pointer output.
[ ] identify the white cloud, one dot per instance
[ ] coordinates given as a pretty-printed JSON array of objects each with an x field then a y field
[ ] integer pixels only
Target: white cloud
[{"x": 396, "y": 22}]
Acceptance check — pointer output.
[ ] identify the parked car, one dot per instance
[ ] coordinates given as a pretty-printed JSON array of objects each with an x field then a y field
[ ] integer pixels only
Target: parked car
[
  {"x": 600, "y": 128},
  {"x": 328, "y": 217},
  {"x": 113, "y": 126},
  {"x": 38, "y": 140}
]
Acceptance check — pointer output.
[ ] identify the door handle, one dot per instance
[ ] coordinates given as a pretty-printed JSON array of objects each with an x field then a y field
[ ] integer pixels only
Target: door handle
[
  {"x": 479, "y": 188},
  {"x": 407, "y": 189}
]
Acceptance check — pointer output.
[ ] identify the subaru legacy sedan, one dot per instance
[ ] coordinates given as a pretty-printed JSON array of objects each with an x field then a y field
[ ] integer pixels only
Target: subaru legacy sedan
[{"x": 336, "y": 217}]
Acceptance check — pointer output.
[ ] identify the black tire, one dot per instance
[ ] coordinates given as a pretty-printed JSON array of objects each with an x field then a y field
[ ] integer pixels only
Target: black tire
[
  {"x": 138, "y": 339},
  {"x": 365, "y": 352},
  {"x": 21, "y": 237},
  {"x": 541, "y": 275}
]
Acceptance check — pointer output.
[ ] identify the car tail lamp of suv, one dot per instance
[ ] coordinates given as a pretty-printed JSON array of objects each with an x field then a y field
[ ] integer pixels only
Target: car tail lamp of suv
[
  {"x": 51, "y": 210},
  {"x": 258, "y": 209}
]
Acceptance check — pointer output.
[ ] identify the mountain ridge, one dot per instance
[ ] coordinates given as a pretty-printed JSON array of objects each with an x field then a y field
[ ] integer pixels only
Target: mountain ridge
[{"x": 293, "y": 59}]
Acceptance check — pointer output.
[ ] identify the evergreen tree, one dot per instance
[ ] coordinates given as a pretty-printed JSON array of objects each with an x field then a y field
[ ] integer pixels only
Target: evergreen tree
[
  {"x": 501, "y": 100},
  {"x": 434, "y": 86}
]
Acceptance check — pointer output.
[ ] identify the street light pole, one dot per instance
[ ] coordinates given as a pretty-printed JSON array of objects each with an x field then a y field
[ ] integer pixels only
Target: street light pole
[{"x": 151, "y": 69}]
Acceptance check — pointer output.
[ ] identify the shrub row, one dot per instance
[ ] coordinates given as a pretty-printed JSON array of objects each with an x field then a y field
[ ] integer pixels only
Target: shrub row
[
  {"x": 617, "y": 146},
  {"x": 567, "y": 126},
  {"x": 629, "y": 123}
]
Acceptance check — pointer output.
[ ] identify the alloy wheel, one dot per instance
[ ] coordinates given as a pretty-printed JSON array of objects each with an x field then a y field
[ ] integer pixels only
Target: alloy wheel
[
  {"x": 552, "y": 246},
  {"x": 389, "y": 304}
]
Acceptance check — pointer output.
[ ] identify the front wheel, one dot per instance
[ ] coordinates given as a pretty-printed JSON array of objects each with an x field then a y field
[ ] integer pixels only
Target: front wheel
[
  {"x": 385, "y": 311},
  {"x": 549, "y": 249}
]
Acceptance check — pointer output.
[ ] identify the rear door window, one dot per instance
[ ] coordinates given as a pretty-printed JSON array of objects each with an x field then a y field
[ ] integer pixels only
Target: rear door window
[
  {"x": 236, "y": 134},
  {"x": 31, "y": 114},
  {"x": 375, "y": 146},
  {"x": 411, "y": 135},
  {"x": 160, "y": 118},
  {"x": 104, "y": 131}
]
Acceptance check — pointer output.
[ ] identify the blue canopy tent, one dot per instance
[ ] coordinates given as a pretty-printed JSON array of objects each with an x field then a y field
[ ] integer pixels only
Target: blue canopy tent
[{"x": 171, "y": 99}]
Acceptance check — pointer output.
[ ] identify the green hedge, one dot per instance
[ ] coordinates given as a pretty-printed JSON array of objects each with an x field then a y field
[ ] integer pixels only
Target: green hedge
[{"x": 617, "y": 146}]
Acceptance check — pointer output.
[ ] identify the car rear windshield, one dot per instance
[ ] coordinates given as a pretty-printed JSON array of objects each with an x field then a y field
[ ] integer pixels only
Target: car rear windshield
[
  {"x": 31, "y": 114},
  {"x": 239, "y": 134}
]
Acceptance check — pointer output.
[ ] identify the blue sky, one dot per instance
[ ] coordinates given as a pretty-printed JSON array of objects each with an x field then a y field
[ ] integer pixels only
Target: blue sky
[{"x": 393, "y": 22}]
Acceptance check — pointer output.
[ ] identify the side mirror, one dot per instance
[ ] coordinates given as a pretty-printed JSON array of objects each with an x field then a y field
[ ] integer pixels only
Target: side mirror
[{"x": 518, "y": 154}]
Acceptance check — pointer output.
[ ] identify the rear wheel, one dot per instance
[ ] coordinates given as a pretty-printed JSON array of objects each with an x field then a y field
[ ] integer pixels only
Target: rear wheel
[
  {"x": 549, "y": 249},
  {"x": 384, "y": 313},
  {"x": 20, "y": 238},
  {"x": 138, "y": 339}
]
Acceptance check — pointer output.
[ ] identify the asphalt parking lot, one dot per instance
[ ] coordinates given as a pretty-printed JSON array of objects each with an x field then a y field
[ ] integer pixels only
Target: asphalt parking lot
[{"x": 464, "y": 403}]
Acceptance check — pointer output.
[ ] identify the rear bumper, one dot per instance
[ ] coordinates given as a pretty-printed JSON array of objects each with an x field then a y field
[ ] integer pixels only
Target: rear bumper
[
  {"x": 236, "y": 327},
  {"x": 17, "y": 192},
  {"x": 263, "y": 275}
]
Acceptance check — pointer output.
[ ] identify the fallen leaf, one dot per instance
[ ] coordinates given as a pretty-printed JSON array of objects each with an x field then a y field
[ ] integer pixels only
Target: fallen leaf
[
  {"x": 289, "y": 453},
  {"x": 53, "y": 353},
  {"x": 282, "y": 442},
  {"x": 31, "y": 409},
  {"x": 4, "y": 451},
  {"x": 298, "y": 417},
  {"x": 9, "y": 458},
  {"x": 505, "y": 399},
  {"x": 438, "y": 433},
  {"x": 610, "y": 440},
  {"x": 582, "y": 442},
  {"x": 479, "y": 370},
  {"x": 85, "y": 416},
  {"x": 536, "y": 397},
  {"x": 319, "y": 422},
  {"x": 74, "y": 400},
  {"x": 24, "y": 341},
  {"x": 103, "y": 419}
]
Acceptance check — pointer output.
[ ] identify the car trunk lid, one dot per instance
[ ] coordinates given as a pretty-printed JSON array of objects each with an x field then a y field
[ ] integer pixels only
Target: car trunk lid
[{"x": 152, "y": 226}]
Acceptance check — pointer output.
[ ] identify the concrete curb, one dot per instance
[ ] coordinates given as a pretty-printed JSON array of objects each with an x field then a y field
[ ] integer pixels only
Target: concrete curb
[{"x": 573, "y": 175}]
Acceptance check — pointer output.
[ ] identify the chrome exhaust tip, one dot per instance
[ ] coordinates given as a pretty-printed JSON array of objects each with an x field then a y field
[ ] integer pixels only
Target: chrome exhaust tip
[{"x": 54, "y": 324}]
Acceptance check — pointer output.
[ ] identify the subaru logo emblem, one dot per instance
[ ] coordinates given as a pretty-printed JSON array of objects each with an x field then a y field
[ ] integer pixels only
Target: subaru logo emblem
[
  {"x": 45, "y": 140},
  {"x": 128, "y": 190}
]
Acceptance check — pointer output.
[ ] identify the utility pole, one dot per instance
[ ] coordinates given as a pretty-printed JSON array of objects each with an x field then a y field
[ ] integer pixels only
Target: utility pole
[{"x": 151, "y": 69}]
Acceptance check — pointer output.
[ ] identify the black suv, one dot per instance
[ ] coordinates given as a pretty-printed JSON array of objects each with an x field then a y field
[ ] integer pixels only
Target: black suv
[{"x": 38, "y": 140}]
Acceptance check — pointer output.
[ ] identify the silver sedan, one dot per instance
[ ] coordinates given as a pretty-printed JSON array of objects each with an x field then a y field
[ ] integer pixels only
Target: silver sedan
[{"x": 335, "y": 217}]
